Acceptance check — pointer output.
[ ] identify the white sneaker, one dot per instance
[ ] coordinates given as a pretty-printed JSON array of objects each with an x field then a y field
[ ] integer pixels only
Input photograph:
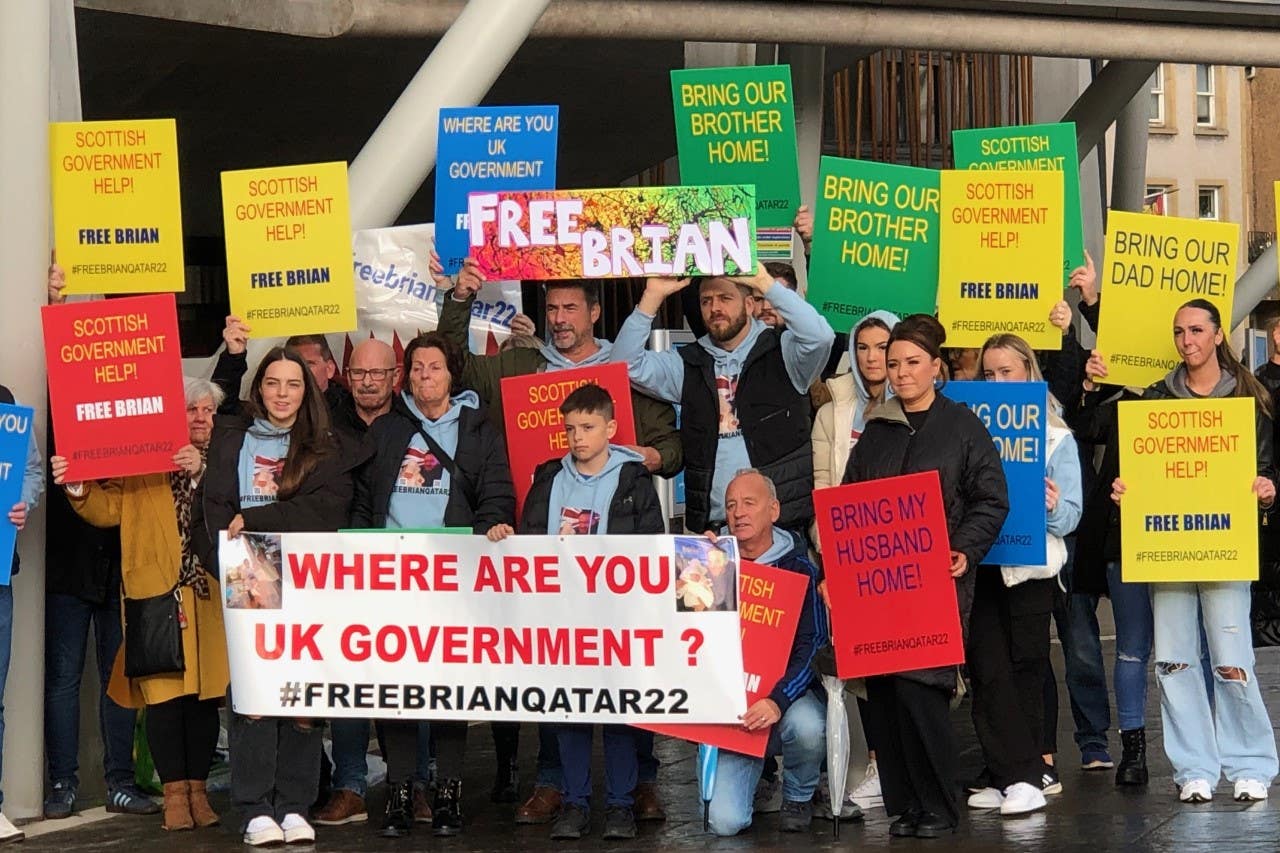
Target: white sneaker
[
  {"x": 262, "y": 831},
  {"x": 1247, "y": 790},
  {"x": 868, "y": 795},
  {"x": 297, "y": 830},
  {"x": 9, "y": 832},
  {"x": 1196, "y": 791},
  {"x": 987, "y": 798},
  {"x": 1021, "y": 798}
]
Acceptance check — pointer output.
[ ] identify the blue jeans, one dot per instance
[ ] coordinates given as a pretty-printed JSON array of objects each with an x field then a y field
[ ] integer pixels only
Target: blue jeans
[
  {"x": 1235, "y": 735},
  {"x": 351, "y": 755},
  {"x": 801, "y": 735},
  {"x": 66, "y": 625},
  {"x": 1076, "y": 615},
  {"x": 6, "y": 641},
  {"x": 1131, "y": 605},
  {"x": 551, "y": 774},
  {"x": 620, "y": 765}
]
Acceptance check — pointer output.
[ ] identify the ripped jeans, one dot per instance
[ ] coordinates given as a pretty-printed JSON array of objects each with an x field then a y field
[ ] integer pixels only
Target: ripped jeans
[{"x": 1235, "y": 737}]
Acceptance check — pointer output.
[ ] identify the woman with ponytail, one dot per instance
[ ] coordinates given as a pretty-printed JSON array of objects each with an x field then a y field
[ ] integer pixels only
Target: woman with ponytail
[{"x": 1234, "y": 735}]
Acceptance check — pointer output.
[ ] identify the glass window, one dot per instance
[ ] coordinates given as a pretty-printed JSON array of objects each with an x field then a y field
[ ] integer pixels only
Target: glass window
[
  {"x": 1156, "y": 86},
  {"x": 1206, "y": 96},
  {"x": 1209, "y": 202}
]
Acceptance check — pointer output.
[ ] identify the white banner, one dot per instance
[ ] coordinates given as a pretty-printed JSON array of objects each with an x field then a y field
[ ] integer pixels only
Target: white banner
[{"x": 617, "y": 629}]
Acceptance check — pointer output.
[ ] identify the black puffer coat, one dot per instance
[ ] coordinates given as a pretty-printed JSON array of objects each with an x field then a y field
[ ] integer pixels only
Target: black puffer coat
[{"x": 634, "y": 508}]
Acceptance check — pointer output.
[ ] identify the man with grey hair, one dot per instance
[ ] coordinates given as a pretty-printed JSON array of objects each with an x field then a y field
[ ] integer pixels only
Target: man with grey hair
[{"x": 795, "y": 707}]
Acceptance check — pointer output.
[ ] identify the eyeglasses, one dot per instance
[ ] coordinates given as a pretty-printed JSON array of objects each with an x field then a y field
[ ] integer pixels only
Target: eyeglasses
[{"x": 377, "y": 374}]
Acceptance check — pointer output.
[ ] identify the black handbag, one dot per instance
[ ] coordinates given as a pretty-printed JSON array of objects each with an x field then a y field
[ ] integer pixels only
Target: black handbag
[{"x": 153, "y": 635}]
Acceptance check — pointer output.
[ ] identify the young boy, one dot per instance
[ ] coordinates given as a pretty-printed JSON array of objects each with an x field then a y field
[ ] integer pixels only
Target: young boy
[{"x": 597, "y": 488}]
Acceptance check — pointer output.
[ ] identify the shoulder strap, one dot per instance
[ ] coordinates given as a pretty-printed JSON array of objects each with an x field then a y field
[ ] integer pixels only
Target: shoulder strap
[{"x": 436, "y": 449}]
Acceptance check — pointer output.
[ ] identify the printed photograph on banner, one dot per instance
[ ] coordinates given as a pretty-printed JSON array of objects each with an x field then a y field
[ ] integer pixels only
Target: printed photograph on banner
[
  {"x": 1188, "y": 513},
  {"x": 253, "y": 571},
  {"x": 875, "y": 241},
  {"x": 706, "y": 574},
  {"x": 614, "y": 233},
  {"x": 1032, "y": 147},
  {"x": 117, "y": 205},
  {"x": 1153, "y": 265},
  {"x": 1000, "y": 256}
]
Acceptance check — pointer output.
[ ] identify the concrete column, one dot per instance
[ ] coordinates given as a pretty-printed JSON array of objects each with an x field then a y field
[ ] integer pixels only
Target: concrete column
[
  {"x": 458, "y": 73},
  {"x": 24, "y": 257},
  {"x": 808, "y": 76},
  {"x": 1129, "y": 162}
]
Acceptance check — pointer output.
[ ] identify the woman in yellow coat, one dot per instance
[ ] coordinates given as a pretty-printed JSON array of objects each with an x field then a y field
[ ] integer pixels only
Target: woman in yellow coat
[{"x": 154, "y": 515}]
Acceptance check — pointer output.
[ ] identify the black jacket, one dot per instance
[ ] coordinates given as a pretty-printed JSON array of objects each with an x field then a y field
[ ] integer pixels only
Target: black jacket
[
  {"x": 321, "y": 504},
  {"x": 811, "y": 633},
  {"x": 480, "y": 490},
  {"x": 1094, "y": 422},
  {"x": 633, "y": 509},
  {"x": 955, "y": 443},
  {"x": 775, "y": 423}
]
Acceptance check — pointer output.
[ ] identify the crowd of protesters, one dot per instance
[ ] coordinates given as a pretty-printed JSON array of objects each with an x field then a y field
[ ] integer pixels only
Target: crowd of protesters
[{"x": 771, "y": 407}]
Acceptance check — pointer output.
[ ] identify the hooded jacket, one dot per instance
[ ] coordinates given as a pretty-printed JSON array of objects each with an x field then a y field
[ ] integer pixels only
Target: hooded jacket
[
  {"x": 954, "y": 442},
  {"x": 631, "y": 508},
  {"x": 655, "y": 421},
  {"x": 480, "y": 490}
]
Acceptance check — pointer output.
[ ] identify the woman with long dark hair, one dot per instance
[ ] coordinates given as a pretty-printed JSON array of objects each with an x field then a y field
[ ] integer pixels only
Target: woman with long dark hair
[
  {"x": 916, "y": 430},
  {"x": 1233, "y": 737},
  {"x": 439, "y": 463},
  {"x": 278, "y": 468}
]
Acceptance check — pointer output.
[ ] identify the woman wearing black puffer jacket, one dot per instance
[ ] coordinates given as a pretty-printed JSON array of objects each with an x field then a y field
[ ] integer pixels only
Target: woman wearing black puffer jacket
[{"x": 920, "y": 430}]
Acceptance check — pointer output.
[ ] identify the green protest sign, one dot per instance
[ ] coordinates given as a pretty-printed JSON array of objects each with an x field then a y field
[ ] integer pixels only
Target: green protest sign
[
  {"x": 875, "y": 241},
  {"x": 738, "y": 126},
  {"x": 1032, "y": 147}
]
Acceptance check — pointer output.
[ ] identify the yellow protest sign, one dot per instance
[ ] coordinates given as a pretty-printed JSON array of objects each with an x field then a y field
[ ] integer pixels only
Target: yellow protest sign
[
  {"x": 1000, "y": 256},
  {"x": 1188, "y": 512},
  {"x": 1153, "y": 265},
  {"x": 288, "y": 235},
  {"x": 117, "y": 207}
]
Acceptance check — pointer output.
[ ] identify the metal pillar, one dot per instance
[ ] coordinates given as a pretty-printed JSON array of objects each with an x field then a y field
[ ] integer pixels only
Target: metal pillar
[
  {"x": 1129, "y": 163},
  {"x": 1254, "y": 285},
  {"x": 464, "y": 65},
  {"x": 24, "y": 257},
  {"x": 1099, "y": 105}
]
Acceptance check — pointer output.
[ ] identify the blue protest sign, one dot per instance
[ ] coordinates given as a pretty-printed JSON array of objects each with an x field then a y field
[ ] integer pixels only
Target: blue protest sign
[
  {"x": 15, "y": 437},
  {"x": 1016, "y": 415},
  {"x": 488, "y": 149}
]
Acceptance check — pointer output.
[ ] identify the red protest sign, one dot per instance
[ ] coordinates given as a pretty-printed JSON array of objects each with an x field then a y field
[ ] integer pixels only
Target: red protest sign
[
  {"x": 769, "y": 602},
  {"x": 535, "y": 428},
  {"x": 115, "y": 385},
  {"x": 887, "y": 561}
]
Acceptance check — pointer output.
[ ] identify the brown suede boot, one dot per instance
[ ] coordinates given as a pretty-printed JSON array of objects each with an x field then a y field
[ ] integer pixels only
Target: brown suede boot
[
  {"x": 201, "y": 812},
  {"x": 177, "y": 806}
]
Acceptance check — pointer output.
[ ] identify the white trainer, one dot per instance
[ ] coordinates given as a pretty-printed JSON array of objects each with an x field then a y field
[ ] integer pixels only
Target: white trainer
[
  {"x": 262, "y": 831},
  {"x": 1021, "y": 798},
  {"x": 987, "y": 798},
  {"x": 9, "y": 832},
  {"x": 297, "y": 830},
  {"x": 1248, "y": 790},
  {"x": 1196, "y": 791},
  {"x": 868, "y": 794}
]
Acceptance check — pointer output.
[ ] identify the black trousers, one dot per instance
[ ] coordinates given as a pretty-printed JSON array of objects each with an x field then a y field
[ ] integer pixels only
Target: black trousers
[
  {"x": 182, "y": 734},
  {"x": 1008, "y": 654},
  {"x": 275, "y": 765},
  {"x": 915, "y": 746},
  {"x": 400, "y": 746}
]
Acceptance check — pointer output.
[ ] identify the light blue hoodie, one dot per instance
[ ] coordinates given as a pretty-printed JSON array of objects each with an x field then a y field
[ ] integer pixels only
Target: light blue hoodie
[
  {"x": 862, "y": 403},
  {"x": 557, "y": 361},
  {"x": 585, "y": 498},
  {"x": 806, "y": 344},
  {"x": 261, "y": 462},
  {"x": 783, "y": 543},
  {"x": 420, "y": 494}
]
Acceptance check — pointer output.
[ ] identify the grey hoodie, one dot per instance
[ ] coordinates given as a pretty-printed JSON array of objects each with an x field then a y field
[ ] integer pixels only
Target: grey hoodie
[
  {"x": 1176, "y": 382},
  {"x": 863, "y": 395},
  {"x": 579, "y": 503}
]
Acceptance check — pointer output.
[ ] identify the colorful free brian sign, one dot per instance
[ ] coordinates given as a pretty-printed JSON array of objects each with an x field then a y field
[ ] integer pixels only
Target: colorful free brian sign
[
  {"x": 115, "y": 385},
  {"x": 614, "y": 233},
  {"x": 534, "y": 425},
  {"x": 888, "y": 560},
  {"x": 117, "y": 208}
]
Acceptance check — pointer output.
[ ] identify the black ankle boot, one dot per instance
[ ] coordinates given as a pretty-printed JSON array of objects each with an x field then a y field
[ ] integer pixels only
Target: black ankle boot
[
  {"x": 1132, "y": 769},
  {"x": 446, "y": 812},
  {"x": 506, "y": 781},
  {"x": 398, "y": 821}
]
